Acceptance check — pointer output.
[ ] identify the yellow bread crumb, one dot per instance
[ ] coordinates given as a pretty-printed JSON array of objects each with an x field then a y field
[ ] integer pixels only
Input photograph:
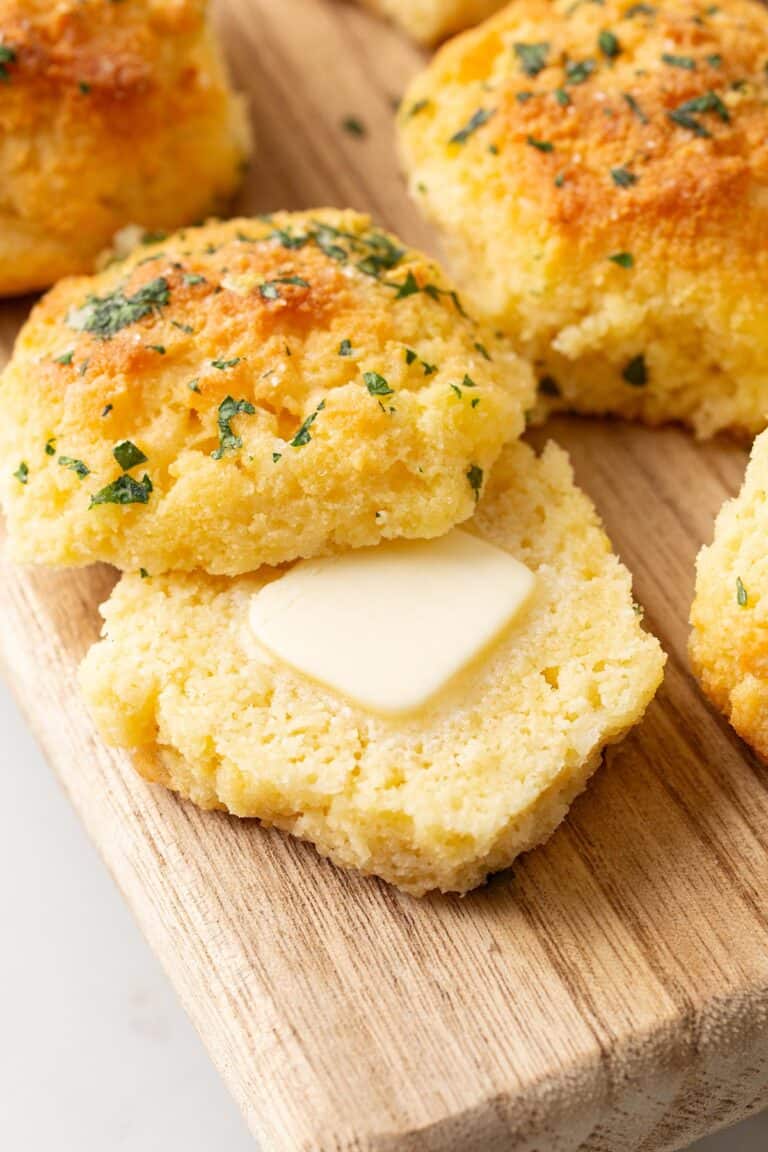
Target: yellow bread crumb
[
  {"x": 297, "y": 385},
  {"x": 729, "y": 641},
  {"x": 600, "y": 175},
  {"x": 435, "y": 802}
]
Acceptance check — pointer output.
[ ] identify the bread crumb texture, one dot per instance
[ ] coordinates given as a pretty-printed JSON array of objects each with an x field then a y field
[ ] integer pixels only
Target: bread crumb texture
[
  {"x": 436, "y": 802},
  {"x": 729, "y": 641},
  {"x": 431, "y": 20},
  {"x": 248, "y": 393},
  {"x": 111, "y": 114},
  {"x": 600, "y": 175}
]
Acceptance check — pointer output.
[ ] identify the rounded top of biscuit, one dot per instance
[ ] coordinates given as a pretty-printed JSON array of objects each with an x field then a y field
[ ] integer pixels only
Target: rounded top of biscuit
[
  {"x": 595, "y": 122},
  {"x": 128, "y": 113},
  {"x": 251, "y": 392}
]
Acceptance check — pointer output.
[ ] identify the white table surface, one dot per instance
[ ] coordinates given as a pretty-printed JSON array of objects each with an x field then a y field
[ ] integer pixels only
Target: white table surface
[{"x": 96, "y": 1055}]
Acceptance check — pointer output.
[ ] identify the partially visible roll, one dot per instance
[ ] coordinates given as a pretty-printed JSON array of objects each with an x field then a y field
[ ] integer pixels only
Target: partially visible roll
[
  {"x": 431, "y": 20},
  {"x": 729, "y": 641},
  {"x": 111, "y": 115}
]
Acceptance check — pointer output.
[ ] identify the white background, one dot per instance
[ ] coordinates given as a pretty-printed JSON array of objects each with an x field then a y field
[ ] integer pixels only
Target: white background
[{"x": 96, "y": 1054}]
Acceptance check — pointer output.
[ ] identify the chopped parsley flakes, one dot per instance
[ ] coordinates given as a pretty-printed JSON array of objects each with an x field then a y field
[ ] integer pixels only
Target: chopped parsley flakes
[
  {"x": 128, "y": 455},
  {"x": 228, "y": 409},
  {"x": 634, "y": 107},
  {"x": 304, "y": 434},
  {"x": 609, "y": 44},
  {"x": 124, "y": 490},
  {"x": 623, "y": 259},
  {"x": 22, "y": 473},
  {"x": 7, "y": 56},
  {"x": 532, "y": 57},
  {"x": 709, "y": 102},
  {"x": 684, "y": 115},
  {"x": 270, "y": 289},
  {"x": 379, "y": 253},
  {"x": 623, "y": 178},
  {"x": 376, "y": 384},
  {"x": 77, "y": 466},
  {"x": 409, "y": 287},
  {"x": 475, "y": 477},
  {"x": 578, "y": 71},
  {"x": 742, "y": 597},
  {"x": 686, "y": 62},
  {"x": 418, "y": 106},
  {"x": 354, "y": 126},
  {"x": 103, "y": 316},
  {"x": 636, "y": 372},
  {"x": 481, "y": 117}
]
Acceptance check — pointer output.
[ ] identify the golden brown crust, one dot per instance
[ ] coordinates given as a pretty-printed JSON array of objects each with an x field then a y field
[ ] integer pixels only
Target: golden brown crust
[
  {"x": 687, "y": 184},
  {"x": 296, "y": 384},
  {"x": 606, "y": 130},
  {"x": 111, "y": 114},
  {"x": 432, "y": 20}
]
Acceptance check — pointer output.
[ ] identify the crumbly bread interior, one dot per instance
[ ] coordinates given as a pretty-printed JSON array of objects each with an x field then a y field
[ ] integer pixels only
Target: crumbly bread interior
[
  {"x": 729, "y": 641},
  {"x": 434, "y": 802}
]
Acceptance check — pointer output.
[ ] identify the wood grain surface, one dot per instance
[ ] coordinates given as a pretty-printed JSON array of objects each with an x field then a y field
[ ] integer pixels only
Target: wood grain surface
[{"x": 612, "y": 994}]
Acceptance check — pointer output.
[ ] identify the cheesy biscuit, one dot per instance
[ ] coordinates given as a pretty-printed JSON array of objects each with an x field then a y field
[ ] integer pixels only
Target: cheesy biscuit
[
  {"x": 600, "y": 175},
  {"x": 729, "y": 642},
  {"x": 111, "y": 114},
  {"x": 436, "y": 800},
  {"x": 247, "y": 393}
]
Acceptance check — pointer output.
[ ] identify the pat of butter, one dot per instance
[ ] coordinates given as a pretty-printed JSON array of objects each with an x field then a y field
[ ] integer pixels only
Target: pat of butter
[{"x": 389, "y": 627}]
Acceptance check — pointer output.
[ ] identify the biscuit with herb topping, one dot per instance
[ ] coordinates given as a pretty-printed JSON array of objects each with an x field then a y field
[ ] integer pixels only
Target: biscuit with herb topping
[
  {"x": 431, "y": 20},
  {"x": 435, "y": 800},
  {"x": 600, "y": 175},
  {"x": 247, "y": 393},
  {"x": 729, "y": 641},
  {"x": 112, "y": 114}
]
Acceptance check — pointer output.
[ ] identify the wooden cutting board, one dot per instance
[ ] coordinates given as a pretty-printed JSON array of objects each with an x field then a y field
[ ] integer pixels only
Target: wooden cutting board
[{"x": 612, "y": 994}]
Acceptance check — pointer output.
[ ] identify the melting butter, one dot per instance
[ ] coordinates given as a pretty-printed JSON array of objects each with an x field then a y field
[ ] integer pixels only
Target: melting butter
[{"x": 389, "y": 627}]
